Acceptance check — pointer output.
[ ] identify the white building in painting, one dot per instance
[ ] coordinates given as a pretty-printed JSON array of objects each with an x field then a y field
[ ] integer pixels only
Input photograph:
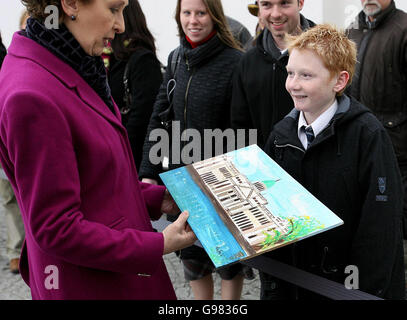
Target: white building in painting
[{"x": 241, "y": 200}]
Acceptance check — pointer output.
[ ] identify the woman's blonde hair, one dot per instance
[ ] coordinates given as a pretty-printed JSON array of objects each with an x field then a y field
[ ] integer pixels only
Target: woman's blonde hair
[
  {"x": 215, "y": 10},
  {"x": 331, "y": 44},
  {"x": 23, "y": 18}
]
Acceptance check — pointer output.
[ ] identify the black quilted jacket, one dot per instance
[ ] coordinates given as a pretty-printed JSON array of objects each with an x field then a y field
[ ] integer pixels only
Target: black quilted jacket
[{"x": 201, "y": 98}]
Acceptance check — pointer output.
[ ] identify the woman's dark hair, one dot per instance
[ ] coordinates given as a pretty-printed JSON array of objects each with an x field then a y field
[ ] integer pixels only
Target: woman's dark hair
[
  {"x": 36, "y": 8},
  {"x": 136, "y": 33}
]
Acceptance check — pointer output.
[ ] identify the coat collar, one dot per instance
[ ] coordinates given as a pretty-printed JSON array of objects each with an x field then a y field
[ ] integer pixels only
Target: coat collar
[
  {"x": 23, "y": 47},
  {"x": 343, "y": 106},
  {"x": 203, "y": 52},
  {"x": 287, "y": 129}
]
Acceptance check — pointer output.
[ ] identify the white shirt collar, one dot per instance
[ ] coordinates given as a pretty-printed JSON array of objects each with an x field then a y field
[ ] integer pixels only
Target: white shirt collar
[{"x": 318, "y": 125}]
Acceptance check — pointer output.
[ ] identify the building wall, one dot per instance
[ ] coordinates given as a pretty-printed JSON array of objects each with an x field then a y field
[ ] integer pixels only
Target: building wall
[{"x": 160, "y": 17}]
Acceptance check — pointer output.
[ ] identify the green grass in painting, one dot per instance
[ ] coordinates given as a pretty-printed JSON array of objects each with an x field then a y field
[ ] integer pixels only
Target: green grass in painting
[{"x": 300, "y": 227}]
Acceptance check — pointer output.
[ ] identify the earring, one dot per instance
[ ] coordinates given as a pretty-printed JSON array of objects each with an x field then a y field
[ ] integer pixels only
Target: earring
[{"x": 73, "y": 18}]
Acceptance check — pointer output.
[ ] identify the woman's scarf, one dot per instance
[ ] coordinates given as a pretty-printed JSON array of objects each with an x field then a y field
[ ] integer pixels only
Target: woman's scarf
[{"x": 62, "y": 44}]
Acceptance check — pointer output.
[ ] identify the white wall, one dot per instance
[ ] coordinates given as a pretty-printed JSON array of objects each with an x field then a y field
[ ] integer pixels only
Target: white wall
[
  {"x": 10, "y": 11},
  {"x": 160, "y": 17}
]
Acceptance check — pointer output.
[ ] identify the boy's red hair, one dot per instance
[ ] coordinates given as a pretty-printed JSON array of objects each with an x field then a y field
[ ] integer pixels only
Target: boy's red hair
[{"x": 337, "y": 52}]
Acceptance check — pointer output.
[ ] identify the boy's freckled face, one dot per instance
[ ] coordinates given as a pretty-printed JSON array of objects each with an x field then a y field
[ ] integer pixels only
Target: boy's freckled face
[{"x": 309, "y": 82}]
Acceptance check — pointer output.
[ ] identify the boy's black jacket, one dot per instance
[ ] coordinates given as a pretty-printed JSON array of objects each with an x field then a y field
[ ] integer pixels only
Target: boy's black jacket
[{"x": 352, "y": 169}]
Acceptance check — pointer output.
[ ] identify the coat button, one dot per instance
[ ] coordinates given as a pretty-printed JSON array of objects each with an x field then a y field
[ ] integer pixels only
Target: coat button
[{"x": 390, "y": 123}]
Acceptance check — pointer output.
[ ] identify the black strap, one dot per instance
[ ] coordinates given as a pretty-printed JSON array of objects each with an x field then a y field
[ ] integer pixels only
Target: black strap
[
  {"x": 167, "y": 115},
  {"x": 127, "y": 98},
  {"x": 298, "y": 277},
  {"x": 175, "y": 60},
  {"x": 306, "y": 280}
]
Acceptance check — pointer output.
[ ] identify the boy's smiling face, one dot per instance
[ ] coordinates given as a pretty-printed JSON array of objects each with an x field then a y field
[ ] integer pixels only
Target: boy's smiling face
[{"x": 310, "y": 84}]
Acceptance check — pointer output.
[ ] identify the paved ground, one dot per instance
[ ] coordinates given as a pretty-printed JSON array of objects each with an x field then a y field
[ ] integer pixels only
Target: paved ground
[{"x": 12, "y": 287}]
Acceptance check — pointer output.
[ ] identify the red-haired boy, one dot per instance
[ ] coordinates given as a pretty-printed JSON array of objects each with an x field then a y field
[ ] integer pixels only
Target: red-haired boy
[{"x": 338, "y": 150}]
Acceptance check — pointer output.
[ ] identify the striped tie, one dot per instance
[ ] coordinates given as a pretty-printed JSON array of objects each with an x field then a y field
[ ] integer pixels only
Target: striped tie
[{"x": 310, "y": 135}]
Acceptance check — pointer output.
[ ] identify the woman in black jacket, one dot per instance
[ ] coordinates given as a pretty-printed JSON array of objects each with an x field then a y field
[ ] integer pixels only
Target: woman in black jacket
[
  {"x": 3, "y": 51},
  {"x": 135, "y": 49},
  {"x": 201, "y": 100}
]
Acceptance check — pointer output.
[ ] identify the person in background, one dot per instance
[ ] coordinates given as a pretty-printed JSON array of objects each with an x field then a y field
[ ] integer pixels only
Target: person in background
[
  {"x": 254, "y": 10},
  {"x": 259, "y": 98},
  {"x": 381, "y": 75},
  {"x": 14, "y": 222},
  {"x": 23, "y": 19},
  {"x": 208, "y": 55},
  {"x": 338, "y": 150},
  {"x": 69, "y": 161},
  {"x": 3, "y": 51},
  {"x": 239, "y": 32},
  {"x": 135, "y": 50}
]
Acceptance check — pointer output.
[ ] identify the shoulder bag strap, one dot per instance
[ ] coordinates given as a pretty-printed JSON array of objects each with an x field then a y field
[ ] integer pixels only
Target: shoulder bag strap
[{"x": 127, "y": 93}]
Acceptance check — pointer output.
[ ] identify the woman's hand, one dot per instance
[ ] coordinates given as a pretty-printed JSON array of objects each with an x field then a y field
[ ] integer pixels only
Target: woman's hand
[
  {"x": 178, "y": 235},
  {"x": 150, "y": 181},
  {"x": 168, "y": 205}
]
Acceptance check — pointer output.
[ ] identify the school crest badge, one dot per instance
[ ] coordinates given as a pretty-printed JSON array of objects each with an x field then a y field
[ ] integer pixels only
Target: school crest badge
[{"x": 382, "y": 184}]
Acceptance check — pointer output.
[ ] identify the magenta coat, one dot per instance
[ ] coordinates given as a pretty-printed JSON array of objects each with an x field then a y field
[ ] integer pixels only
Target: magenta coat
[{"x": 86, "y": 215}]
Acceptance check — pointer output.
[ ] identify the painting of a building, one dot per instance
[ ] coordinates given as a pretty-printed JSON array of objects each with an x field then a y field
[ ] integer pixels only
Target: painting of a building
[{"x": 241, "y": 200}]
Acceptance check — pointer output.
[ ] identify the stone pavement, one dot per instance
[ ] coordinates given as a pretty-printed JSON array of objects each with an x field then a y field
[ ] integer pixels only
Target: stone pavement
[{"x": 12, "y": 286}]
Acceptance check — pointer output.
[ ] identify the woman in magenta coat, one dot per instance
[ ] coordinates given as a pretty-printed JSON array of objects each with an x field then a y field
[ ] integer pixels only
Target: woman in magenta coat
[{"x": 68, "y": 158}]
